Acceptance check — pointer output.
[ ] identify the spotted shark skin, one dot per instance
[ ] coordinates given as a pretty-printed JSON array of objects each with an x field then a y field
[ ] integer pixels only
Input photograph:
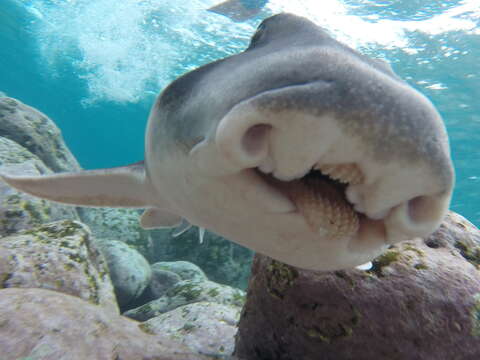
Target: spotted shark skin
[{"x": 225, "y": 142}]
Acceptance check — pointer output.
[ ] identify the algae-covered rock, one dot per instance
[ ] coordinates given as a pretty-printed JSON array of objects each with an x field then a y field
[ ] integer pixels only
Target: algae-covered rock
[
  {"x": 119, "y": 224},
  {"x": 19, "y": 210},
  {"x": 185, "y": 269},
  {"x": 162, "y": 280},
  {"x": 204, "y": 327},
  {"x": 129, "y": 271},
  {"x": 58, "y": 256},
  {"x": 223, "y": 261},
  {"x": 188, "y": 292},
  {"x": 420, "y": 300},
  {"x": 45, "y": 325},
  {"x": 34, "y": 131}
]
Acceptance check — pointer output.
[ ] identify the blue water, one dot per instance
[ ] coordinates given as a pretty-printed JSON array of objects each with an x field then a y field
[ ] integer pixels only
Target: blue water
[{"x": 94, "y": 66}]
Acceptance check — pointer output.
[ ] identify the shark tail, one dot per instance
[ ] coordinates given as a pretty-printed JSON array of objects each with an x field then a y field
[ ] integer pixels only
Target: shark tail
[{"x": 235, "y": 10}]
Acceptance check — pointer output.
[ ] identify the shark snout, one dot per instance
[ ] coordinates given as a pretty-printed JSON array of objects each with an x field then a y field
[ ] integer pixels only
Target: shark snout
[
  {"x": 393, "y": 196},
  {"x": 409, "y": 203}
]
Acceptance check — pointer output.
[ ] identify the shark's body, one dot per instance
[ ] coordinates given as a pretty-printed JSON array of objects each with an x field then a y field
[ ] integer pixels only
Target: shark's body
[{"x": 230, "y": 147}]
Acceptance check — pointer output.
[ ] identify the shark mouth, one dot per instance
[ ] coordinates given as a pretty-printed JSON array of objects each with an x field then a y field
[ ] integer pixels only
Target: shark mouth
[{"x": 320, "y": 197}]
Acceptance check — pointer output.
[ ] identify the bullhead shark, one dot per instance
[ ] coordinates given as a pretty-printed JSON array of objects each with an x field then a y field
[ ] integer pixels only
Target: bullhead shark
[{"x": 299, "y": 148}]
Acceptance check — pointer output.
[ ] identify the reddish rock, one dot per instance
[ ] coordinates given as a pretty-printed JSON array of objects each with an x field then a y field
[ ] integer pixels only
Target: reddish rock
[
  {"x": 47, "y": 325},
  {"x": 421, "y": 300}
]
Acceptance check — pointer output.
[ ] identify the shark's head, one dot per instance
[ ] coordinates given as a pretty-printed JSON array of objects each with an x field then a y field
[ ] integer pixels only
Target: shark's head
[
  {"x": 299, "y": 147},
  {"x": 303, "y": 149}
]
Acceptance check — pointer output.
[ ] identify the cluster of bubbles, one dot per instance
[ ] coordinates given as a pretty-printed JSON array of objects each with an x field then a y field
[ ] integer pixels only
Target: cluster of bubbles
[{"x": 127, "y": 51}]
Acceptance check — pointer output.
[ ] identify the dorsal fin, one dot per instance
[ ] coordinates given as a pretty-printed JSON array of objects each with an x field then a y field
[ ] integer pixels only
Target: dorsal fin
[{"x": 125, "y": 186}]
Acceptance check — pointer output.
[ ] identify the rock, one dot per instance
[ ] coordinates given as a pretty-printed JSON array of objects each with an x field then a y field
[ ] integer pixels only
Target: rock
[
  {"x": 421, "y": 300},
  {"x": 458, "y": 233},
  {"x": 58, "y": 256},
  {"x": 13, "y": 153},
  {"x": 223, "y": 261},
  {"x": 186, "y": 270},
  {"x": 43, "y": 325},
  {"x": 119, "y": 224},
  {"x": 162, "y": 280},
  {"x": 18, "y": 210},
  {"x": 204, "y": 327},
  {"x": 188, "y": 292},
  {"x": 129, "y": 271},
  {"x": 35, "y": 132}
]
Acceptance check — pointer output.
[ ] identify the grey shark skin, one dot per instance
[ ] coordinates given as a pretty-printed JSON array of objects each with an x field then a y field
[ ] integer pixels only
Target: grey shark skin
[{"x": 226, "y": 142}]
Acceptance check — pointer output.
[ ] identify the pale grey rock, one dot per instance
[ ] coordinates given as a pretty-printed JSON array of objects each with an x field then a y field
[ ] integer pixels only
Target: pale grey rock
[
  {"x": 204, "y": 327},
  {"x": 18, "y": 210},
  {"x": 129, "y": 271},
  {"x": 222, "y": 261},
  {"x": 188, "y": 292},
  {"x": 119, "y": 224},
  {"x": 46, "y": 325},
  {"x": 58, "y": 256},
  {"x": 34, "y": 131},
  {"x": 186, "y": 270}
]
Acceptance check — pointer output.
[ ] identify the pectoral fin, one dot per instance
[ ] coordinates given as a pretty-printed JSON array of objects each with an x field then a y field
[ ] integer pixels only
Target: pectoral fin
[
  {"x": 125, "y": 186},
  {"x": 156, "y": 218},
  {"x": 182, "y": 228}
]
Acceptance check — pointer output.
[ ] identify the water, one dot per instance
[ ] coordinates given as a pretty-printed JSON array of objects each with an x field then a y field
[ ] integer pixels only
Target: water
[{"x": 94, "y": 66}]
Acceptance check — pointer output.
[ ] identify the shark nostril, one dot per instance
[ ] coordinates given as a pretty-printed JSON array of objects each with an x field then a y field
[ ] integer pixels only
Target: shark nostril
[
  {"x": 422, "y": 209},
  {"x": 254, "y": 141},
  {"x": 417, "y": 217}
]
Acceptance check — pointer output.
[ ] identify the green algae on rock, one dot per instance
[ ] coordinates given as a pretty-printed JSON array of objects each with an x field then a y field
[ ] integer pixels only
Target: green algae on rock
[
  {"x": 20, "y": 211},
  {"x": 185, "y": 269},
  {"x": 223, "y": 261},
  {"x": 119, "y": 224},
  {"x": 188, "y": 292},
  {"x": 204, "y": 327},
  {"x": 59, "y": 256},
  {"x": 129, "y": 270}
]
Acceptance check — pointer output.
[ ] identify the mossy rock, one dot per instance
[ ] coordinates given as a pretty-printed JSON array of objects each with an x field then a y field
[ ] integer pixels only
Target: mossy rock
[
  {"x": 58, "y": 256},
  {"x": 129, "y": 270},
  {"x": 222, "y": 261},
  {"x": 18, "y": 210},
  {"x": 37, "y": 133},
  {"x": 188, "y": 292},
  {"x": 119, "y": 224}
]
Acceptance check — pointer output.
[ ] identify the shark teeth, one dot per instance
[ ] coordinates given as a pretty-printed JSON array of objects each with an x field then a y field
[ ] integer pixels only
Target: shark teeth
[
  {"x": 344, "y": 173},
  {"x": 324, "y": 208},
  {"x": 267, "y": 166}
]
